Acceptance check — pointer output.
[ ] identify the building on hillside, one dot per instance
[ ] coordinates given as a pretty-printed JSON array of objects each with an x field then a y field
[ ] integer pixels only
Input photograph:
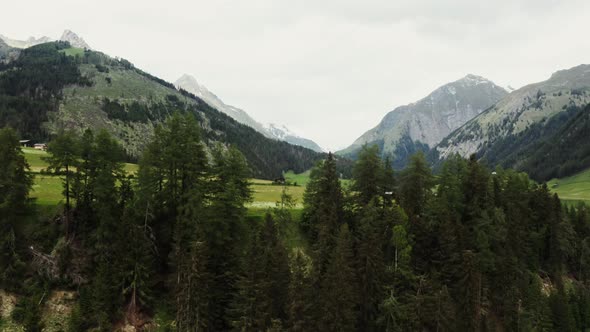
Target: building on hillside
[
  {"x": 40, "y": 146},
  {"x": 25, "y": 143}
]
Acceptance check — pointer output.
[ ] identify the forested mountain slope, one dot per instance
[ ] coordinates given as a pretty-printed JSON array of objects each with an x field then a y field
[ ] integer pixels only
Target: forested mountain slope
[
  {"x": 510, "y": 132},
  {"x": 52, "y": 87},
  {"x": 553, "y": 148}
]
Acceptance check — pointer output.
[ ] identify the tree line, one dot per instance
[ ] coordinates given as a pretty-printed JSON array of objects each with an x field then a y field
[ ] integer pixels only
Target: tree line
[{"x": 468, "y": 249}]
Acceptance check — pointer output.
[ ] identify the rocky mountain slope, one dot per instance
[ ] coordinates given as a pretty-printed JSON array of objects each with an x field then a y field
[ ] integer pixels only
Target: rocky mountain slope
[
  {"x": 509, "y": 132},
  {"x": 190, "y": 84},
  {"x": 425, "y": 123},
  {"x": 74, "y": 39},
  {"x": 283, "y": 133}
]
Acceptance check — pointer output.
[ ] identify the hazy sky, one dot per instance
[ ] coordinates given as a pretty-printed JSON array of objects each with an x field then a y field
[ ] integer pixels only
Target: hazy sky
[{"x": 329, "y": 70}]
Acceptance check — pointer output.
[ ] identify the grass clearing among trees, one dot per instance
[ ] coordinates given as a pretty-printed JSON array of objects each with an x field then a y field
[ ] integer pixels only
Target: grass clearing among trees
[{"x": 574, "y": 188}]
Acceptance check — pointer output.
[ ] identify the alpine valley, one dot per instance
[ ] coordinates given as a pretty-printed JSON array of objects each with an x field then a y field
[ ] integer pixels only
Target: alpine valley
[{"x": 132, "y": 204}]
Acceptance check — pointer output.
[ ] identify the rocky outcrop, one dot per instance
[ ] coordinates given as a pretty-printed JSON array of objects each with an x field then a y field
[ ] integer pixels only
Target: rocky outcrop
[{"x": 74, "y": 39}]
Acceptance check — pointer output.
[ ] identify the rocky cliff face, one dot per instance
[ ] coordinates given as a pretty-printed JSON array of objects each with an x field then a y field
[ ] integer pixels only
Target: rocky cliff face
[
  {"x": 190, "y": 84},
  {"x": 426, "y": 122},
  {"x": 74, "y": 39},
  {"x": 532, "y": 104}
]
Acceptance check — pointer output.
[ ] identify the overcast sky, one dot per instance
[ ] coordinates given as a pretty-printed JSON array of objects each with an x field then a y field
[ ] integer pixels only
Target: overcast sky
[{"x": 329, "y": 70}]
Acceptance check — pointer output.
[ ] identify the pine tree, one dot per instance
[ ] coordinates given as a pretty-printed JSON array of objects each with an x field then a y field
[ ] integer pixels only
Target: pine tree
[
  {"x": 415, "y": 186},
  {"x": 338, "y": 294},
  {"x": 277, "y": 270},
  {"x": 173, "y": 163},
  {"x": 415, "y": 194},
  {"x": 15, "y": 184},
  {"x": 230, "y": 191},
  {"x": 300, "y": 294},
  {"x": 137, "y": 261},
  {"x": 368, "y": 175},
  {"x": 64, "y": 152},
  {"x": 323, "y": 211},
  {"x": 371, "y": 263},
  {"x": 389, "y": 182},
  {"x": 252, "y": 305},
  {"x": 108, "y": 237},
  {"x": 262, "y": 288},
  {"x": 560, "y": 311}
]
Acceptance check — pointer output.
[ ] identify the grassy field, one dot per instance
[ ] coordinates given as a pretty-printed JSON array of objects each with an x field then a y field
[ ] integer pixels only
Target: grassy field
[
  {"x": 48, "y": 189},
  {"x": 300, "y": 179},
  {"x": 574, "y": 188},
  {"x": 266, "y": 195},
  {"x": 73, "y": 51}
]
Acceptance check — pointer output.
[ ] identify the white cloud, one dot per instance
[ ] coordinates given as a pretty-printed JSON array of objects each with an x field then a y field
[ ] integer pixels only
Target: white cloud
[{"x": 329, "y": 69}]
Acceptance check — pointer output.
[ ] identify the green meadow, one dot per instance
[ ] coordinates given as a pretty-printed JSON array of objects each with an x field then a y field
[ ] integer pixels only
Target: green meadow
[
  {"x": 574, "y": 188},
  {"x": 47, "y": 189}
]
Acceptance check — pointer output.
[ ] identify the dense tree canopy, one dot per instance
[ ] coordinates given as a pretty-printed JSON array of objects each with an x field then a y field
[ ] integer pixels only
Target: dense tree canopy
[{"x": 467, "y": 249}]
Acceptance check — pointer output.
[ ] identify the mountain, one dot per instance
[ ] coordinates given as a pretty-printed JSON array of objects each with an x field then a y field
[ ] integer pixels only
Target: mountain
[
  {"x": 49, "y": 89},
  {"x": 7, "y": 53},
  {"x": 74, "y": 39},
  {"x": 31, "y": 41},
  {"x": 67, "y": 35},
  {"x": 423, "y": 124},
  {"x": 190, "y": 84},
  {"x": 283, "y": 133},
  {"x": 512, "y": 132}
]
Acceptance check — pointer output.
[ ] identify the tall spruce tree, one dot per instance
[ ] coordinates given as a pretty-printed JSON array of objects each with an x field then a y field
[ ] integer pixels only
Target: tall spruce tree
[
  {"x": 15, "y": 183},
  {"x": 64, "y": 152},
  {"x": 368, "y": 175},
  {"x": 300, "y": 295},
  {"x": 370, "y": 262},
  {"x": 323, "y": 211},
  {"x": 338, "y": 293}
]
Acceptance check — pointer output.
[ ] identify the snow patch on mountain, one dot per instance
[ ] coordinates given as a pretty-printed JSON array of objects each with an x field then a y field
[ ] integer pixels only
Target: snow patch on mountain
[{"x": 271, "y": 130}]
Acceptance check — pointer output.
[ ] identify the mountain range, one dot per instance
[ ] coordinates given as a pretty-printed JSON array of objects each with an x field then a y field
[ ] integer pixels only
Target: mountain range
[
  {"x": 527, "y": 128},
  {"x": 278, "y": 132},
  {"x": 68, "y": 36},
  {"x": 541, "y": 128},
  {"x": 423, "y": 124}
]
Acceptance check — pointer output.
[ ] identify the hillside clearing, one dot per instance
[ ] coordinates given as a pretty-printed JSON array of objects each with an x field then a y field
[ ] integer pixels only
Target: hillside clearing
[{"x": 573, "y": 188}]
